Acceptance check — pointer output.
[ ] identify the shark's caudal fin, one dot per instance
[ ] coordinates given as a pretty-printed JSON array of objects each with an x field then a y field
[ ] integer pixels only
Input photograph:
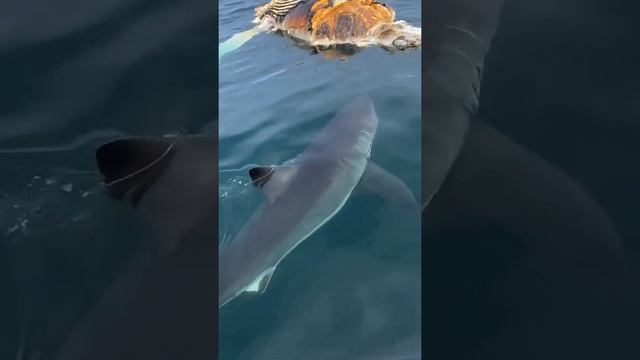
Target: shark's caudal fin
[
  {"x": 237, "y": 40},
  {"x": 130, "y": 166}
]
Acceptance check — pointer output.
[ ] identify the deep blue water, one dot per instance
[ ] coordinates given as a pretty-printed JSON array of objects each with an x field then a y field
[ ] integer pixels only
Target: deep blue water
[
  {"x": 351, "y": 290},
  {"x": 75, "y": 75},
  {"x": 561, "y": 79}
]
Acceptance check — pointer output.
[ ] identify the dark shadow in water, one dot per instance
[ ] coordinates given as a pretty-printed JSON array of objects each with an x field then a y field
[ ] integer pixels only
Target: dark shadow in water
[
  {"x": 161, "y": 305},
  {"x": 521, "y": 261},
  {"x": 524, "y": 256},
  {"x": 74, "y": 75}
]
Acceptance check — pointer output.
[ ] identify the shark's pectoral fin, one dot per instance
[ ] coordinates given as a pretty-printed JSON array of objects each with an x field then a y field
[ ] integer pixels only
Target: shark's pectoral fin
[
  {"x": 272, "y": 179},
  {"x": 388, "y": 186},
  {"x": 260, "y": 284},
  {"x": 130, "y": 166}
]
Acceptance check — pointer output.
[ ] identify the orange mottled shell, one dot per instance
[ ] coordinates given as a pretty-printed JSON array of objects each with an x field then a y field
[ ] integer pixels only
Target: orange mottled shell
[
  {"x": 348, "y": 19},
  {"x": 298, "y": 18},
  {"x": 338, "y": 20}
]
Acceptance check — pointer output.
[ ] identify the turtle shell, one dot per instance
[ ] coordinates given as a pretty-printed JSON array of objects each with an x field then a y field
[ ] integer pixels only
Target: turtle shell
[
  {"x": 331, "y": 20},
  {"x": 348, "y": 19},
  {"x": 299, "y": 18}
]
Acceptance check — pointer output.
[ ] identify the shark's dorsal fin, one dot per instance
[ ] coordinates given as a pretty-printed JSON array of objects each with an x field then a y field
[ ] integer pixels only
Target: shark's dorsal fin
[
  {"x": 260, "y": 175},
  {"x": 131, "y": 165},
  {"x": 260, "y": 284},
  {"x": 273, "y": 180}
]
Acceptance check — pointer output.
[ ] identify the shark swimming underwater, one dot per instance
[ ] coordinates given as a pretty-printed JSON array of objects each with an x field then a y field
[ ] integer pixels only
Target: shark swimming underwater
[
  {"x": 166, "y": 294},
  {"x": 161, "y": 308},
  {"x": 303, "y": 194},
  {"x": 159, "y": 305},
  {"x": 476, "y": 173},
  {"x": 476, "y": 177},
  {"x": 459, "y": 34},
  {"x": 325, "y": 23}
]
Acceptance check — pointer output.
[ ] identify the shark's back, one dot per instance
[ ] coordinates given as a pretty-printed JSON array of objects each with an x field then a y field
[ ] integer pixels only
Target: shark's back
[{"x": 325, "y": 175}]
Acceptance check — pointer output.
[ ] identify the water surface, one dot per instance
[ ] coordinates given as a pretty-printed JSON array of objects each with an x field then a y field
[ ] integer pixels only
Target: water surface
[
  {"x": 352, "y": 289},
  {"x": 75, "y": 75}
]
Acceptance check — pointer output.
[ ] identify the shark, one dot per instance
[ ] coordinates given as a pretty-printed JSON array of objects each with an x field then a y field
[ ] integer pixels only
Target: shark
[
  {"x": 458, "y": 38},
  {"x": 166, "y": 293},
  {"x": 474, "y": 176},
  {"x": 171, "y": 184},
  {"x": 303, "y": 194}
]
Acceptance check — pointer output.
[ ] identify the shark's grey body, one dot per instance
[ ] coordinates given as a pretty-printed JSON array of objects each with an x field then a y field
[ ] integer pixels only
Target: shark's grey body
[
  {"x": 476, "y": 178},
  {"x": 458, "y": 36},
  {"x": 162, "y": 309},
  {"x": 164, "y": 295},
  {"x": 167, "y": 293},
  {"x": 302, "y": 196}
]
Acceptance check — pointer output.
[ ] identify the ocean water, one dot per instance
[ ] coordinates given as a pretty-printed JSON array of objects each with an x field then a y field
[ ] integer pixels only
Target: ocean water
[
  {"x": 352, "y": 289},
  {"x": 561, "y": 80},
  {"x": 75, "y": 75}
]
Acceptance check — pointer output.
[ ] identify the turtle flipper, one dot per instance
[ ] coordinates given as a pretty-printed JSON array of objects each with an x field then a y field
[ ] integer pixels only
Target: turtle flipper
[{"x": 238, "y": 40}]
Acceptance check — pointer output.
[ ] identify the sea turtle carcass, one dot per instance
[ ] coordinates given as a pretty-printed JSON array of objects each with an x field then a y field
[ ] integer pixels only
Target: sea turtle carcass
[{"x": 338, "y": 22}]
